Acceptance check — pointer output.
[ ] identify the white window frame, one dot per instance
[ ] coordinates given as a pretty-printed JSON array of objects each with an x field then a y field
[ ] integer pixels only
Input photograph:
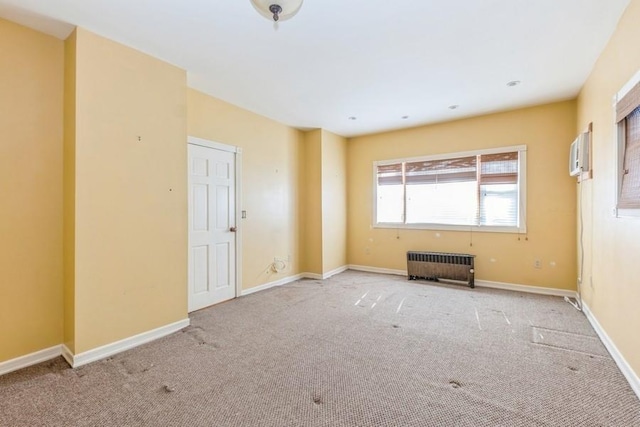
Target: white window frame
[
  {"x": 620, "y": 134},
  {"x": 522, "y": 192}
]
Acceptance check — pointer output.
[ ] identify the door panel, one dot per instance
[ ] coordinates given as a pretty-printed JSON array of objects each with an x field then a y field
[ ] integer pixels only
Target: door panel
[
  {"x": 222, "y": 258},
  {"x": 200, "y": 269},
  {"x": 212, "y": 244},
  {"x": 200, "y": 203}
]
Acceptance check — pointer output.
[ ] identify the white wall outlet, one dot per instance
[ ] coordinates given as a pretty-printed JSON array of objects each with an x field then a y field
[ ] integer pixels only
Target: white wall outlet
[{"x": 537, "y": 263}]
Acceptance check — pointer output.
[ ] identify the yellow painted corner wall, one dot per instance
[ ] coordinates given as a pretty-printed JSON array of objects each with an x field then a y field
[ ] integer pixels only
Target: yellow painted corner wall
[
  {"x": 334, "y": 201},
  {"x": 270, "y": 183},
  {"x": 130, "y": 191},
  {"x": 546, "y": 130},
  {"x": 611, "y": 245},
  {"x": 31, "y": 112},
  {"x": 69, "y": 191},
  {"x": 312, "y": 184}
]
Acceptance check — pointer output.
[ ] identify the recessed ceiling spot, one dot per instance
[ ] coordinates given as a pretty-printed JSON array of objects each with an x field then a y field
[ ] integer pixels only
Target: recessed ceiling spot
[
  {"x": 453, "y": 107},
  {"x": 514, "y": 83},
  {"x": 352, "y": 118},
  {"x": 405, "y": 117}
]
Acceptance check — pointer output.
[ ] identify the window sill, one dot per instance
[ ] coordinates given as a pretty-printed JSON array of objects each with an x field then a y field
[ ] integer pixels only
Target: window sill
[
  {"x": 449, "y": 227},
  {"x": 627, "y": 213}
]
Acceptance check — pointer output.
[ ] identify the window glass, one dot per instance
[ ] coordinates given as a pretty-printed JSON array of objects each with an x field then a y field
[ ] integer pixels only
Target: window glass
[{"x": 479, "y": 190}]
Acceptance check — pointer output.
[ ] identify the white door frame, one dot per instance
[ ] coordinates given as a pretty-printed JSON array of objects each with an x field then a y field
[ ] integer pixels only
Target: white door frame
[{"x": 238, "y": 181}]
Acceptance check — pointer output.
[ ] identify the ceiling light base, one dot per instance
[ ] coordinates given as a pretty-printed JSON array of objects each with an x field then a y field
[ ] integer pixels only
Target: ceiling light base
[{"x": 277, "y": 10}]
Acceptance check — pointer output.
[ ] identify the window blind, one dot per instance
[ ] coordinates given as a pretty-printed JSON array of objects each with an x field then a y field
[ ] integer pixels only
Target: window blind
[
  {"x": 498, "y": 189},
  {"x": 630, "y": 189},
  {"x": 628, "y": 103},
  {"x": 464, "y": 190},
  {"x": 390, "y": 174},
  {"x": 441, "y": 171},
  {"x": 501, "y": 168}
]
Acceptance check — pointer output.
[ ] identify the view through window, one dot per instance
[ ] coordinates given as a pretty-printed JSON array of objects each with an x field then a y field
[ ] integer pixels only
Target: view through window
[{"x": 480, "y": 189}]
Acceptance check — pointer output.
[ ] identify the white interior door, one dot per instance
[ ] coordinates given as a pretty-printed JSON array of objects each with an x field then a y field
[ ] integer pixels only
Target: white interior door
[{"x": 212, "y": 237}]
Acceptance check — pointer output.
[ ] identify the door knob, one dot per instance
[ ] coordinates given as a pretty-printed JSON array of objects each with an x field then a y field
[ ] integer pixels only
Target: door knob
[{"x": 233, "y": 229}]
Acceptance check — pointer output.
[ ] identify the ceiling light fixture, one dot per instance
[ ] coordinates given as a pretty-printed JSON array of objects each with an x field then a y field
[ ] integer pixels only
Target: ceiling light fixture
[
  {"x": 514, "y": 83},
  {"x": 352, "y": 118},
  {"x": 277, "y": 10},
  {"x": 453, "y": 107},
  {"x": 405, "y": 117}
]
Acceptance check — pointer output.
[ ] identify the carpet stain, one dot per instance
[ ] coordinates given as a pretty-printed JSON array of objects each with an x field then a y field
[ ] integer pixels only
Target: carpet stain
[
  {"x": 197, "y": 334},
  {"x": 397, "y": 326},
  {"x": 455, "y": 384},
  {"x": 571, "y": 368},
  {"x": 317, "y": 400},
  {"x": 134, "y": 368},
  {"x": 168, "y": 389}
]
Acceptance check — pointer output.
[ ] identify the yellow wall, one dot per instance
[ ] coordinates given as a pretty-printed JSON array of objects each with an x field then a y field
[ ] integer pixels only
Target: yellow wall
[
  {"x": 334, "y": 201},
  {"x": 69, "y": 183},
  {"x": 130, "y": 192},
  {"x": 500, "y": 257},
  {"x": 610, "y": 282},
  {"x": 124, "y": 228},
  {"x": 324, "y": 182},
  {"x": 270, "y": 183},
  {"x": 31, "y": 188},
  {"x": 312, "y": 184}
]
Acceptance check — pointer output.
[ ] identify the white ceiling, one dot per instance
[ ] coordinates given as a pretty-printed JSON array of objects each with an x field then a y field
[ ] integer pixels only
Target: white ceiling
[{"x": 376, "y": 60}]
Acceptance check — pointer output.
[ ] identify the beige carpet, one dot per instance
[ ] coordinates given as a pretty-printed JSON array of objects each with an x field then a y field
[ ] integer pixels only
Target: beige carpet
[{"x": 355, "y": 350}]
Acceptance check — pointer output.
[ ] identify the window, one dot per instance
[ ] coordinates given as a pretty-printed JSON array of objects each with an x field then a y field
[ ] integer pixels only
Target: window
[
  {"x": 628, "y": 123},
  {"x": 483, "y": 189}
]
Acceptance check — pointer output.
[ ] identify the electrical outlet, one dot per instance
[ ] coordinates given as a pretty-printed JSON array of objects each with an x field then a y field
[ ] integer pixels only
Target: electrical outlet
[{"x": 537, "y": 263}]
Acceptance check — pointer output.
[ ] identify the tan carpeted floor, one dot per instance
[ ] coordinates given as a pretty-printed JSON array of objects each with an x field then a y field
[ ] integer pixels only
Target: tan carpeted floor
[{"x": 355, "y": 350}]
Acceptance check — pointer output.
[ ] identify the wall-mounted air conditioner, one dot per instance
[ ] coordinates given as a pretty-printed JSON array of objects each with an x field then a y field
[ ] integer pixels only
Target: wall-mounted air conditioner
[{"x": 579, "y": 154}]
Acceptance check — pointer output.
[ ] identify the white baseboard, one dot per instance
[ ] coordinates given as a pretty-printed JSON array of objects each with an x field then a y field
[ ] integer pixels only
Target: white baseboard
[
  {"x": 67, "y": 354},
  {"x": 368, "y": 269},
  {"x": 76, "y": 360},
  {"x": 525, "y": 288},
  {"x": 480, "y": 283},
  {"x": 275, "y": 283},
  {"x": 335, "y": 271},
  {"x": 290, "y": 279},
  {"x": 30, "y": 359},
  {"x": 623, "y": 365}
]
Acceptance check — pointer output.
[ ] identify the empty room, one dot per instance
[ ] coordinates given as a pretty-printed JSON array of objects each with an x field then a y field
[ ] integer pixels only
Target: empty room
[{"x": 319, "y": 213}]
